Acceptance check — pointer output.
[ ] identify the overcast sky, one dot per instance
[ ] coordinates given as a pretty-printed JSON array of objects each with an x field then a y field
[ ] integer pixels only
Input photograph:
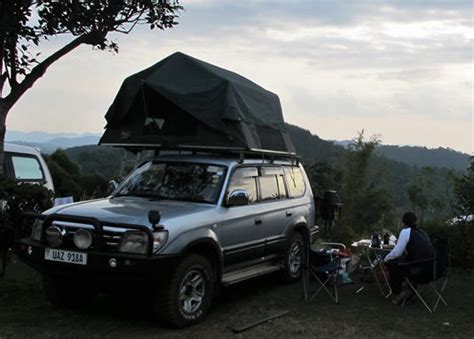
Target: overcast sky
[{"x": 401, "y": 69}]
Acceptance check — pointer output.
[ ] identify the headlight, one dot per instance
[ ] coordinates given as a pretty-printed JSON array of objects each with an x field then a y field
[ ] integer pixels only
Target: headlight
[
  {"x": 134, "y": 242},
  {"x": 159, "y": 239},
  {"x": 37, "y": 229},
  {"x": 82, "y": 239},
  {"x": 54, "y": 236}
]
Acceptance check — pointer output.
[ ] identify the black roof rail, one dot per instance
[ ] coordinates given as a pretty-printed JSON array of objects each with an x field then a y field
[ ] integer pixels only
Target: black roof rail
[{"x": 241, "y": 152}]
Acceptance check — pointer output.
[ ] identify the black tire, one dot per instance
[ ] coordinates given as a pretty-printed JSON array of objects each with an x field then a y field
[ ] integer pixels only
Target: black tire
[
  {"x": 293, "y": 258},
  {"x": 62, "y": 292},
  {"x": 175, "y": 304}
]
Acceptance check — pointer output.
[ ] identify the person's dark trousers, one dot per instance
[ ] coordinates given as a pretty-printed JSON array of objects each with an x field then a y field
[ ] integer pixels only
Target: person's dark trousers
[
  {"x": 396, "y": 276},
  {"x": 421, "y": 272}
]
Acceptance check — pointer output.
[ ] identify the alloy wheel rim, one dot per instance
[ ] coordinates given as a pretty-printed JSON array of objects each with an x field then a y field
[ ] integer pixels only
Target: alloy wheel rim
[
  {"x": 294, "y": 259},
  {"x": 191, "y": 291}
]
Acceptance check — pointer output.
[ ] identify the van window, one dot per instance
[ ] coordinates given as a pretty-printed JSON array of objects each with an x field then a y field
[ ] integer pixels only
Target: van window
[
  {"x": 245, "y": 178},
  {"x": 27, "y": 168},
  {"x": 295, "y": 181}
]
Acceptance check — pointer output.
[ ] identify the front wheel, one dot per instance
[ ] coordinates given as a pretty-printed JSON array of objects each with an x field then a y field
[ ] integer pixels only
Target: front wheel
[
  {"x": 293, "y": 258},
  {"x": 187, "y": 296}
]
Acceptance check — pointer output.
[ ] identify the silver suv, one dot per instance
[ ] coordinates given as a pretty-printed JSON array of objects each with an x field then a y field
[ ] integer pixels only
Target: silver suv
[{"x": 186, "y": 224}]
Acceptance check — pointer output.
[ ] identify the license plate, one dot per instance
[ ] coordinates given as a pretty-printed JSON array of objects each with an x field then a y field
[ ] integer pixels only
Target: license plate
[{"x": 65, "y": 256}]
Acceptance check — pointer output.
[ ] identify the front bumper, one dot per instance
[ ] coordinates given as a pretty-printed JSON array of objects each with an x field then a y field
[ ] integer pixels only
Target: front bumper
[{"x": 130, "y": 267}]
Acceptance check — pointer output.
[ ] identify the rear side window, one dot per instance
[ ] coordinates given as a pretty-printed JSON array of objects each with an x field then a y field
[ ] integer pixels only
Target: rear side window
[
  {"x": 269, "y": 188},
  {"x": 281, "y": 186},
  {"x": 245, "y": 178},
  {"x": 272, "y": 186},
  {"x": 27, "y": 168},
  {"x": 295, "y": 181}
]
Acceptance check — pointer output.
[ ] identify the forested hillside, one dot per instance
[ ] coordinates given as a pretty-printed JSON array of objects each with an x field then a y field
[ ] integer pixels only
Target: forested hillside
[
  {"x": 105, "y": 161},
  {"x": 424, "y": 184},
  {"x": 311, "y": 147},
  {"x": 422, "y": 156}
]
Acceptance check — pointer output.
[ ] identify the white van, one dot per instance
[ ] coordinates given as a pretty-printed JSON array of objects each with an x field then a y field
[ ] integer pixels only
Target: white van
[{"x": 25, "y": 164}]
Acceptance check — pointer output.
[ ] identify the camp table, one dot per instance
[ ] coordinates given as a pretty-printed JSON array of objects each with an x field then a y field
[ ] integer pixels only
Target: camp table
[{"x": 374, "y": 257}]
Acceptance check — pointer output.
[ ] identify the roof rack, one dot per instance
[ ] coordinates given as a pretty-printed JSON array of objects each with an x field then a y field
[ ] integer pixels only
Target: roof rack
[{"x": 241, "y": 152}]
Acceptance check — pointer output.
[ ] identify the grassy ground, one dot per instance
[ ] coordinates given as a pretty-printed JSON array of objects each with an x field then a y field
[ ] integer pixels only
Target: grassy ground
[{"x": 24, "y": 312}]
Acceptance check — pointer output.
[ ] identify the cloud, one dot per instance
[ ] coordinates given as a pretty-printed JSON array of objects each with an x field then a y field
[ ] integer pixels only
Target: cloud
[
  {"x": 411, "y": 75},
  {"x": 335, "y": 65},
  {"x": 340, "y": 13}
]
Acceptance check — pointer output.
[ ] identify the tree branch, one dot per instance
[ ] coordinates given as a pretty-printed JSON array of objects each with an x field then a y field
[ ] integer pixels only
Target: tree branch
[
  {"x": 39, "y": 70},
  {"x": 131, "y": 27},
  {"x": 3, "y": 78}
]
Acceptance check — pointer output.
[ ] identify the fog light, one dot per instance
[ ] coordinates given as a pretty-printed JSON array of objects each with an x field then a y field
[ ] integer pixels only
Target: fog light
[
  {"x": 54, "y": 236},
  {"x": 82, "y": 239},
  {"x": 113, "y": 262}
]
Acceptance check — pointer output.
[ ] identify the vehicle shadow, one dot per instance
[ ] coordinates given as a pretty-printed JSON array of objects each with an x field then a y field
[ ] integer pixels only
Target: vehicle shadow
[{"x": 134, "y": 304}]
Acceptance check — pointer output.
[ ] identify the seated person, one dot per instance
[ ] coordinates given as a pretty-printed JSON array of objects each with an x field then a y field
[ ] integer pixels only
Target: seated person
[{"x": 410, "y": 257}]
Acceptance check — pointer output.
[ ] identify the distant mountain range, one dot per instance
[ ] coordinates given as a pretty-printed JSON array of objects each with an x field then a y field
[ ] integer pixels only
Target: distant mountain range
[
  {"x": 310, "y": 147},
  {"x": 419, "y": 156},
  {"x": 50, "y": 142},
  {"x": 422, "y": 156}
]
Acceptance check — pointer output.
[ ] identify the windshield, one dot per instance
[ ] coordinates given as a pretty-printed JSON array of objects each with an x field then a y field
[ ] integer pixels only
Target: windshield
[{"x": 175, "y": 181}]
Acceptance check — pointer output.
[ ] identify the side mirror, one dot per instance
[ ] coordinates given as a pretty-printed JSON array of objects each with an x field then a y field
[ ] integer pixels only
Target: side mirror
[
  {"x": 113, "y": 185},
  {"x": 154, "y": 218},
  {"x": 239, "y": 197}
]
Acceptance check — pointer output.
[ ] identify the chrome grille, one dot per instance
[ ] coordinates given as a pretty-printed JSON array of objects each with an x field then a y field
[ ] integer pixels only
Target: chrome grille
[{"x": 111, "y": 239}]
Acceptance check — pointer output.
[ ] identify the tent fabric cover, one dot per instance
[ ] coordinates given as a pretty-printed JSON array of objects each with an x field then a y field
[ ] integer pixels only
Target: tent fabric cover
[{"x": 185, "y": 101}]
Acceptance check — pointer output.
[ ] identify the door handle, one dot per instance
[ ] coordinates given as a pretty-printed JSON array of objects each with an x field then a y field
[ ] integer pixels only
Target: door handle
[
  {"x": 258, "y": 221},
  {"x": 289, "y": 213}
]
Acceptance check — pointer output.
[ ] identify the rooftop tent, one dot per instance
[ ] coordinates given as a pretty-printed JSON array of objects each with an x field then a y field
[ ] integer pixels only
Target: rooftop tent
[{"x": 184, "y": 102}]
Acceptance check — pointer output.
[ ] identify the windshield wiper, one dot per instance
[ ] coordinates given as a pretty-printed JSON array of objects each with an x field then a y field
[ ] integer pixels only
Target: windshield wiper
[
  {"x": 139, "y": 195},
  {"x": 180, "y": 199}
]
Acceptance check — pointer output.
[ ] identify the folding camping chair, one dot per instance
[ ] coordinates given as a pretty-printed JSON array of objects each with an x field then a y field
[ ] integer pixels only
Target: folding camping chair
[
  {"x": 323, "y": 266},
  {"x": 437, "y": 283}
]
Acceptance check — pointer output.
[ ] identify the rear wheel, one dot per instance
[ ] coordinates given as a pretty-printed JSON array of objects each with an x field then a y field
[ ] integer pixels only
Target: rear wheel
[
  {"x": 293, "y": 258},
  {"x": 186, "y": 297}
]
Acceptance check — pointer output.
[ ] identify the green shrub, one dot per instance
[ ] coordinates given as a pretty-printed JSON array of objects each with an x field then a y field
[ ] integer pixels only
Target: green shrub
[
  {"x": 461, "y": 240},
  {"x": 16, "y": 198}
]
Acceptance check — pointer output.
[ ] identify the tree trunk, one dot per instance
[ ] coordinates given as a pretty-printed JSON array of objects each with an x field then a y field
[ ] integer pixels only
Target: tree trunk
[{"x": 3, "y": 118}]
